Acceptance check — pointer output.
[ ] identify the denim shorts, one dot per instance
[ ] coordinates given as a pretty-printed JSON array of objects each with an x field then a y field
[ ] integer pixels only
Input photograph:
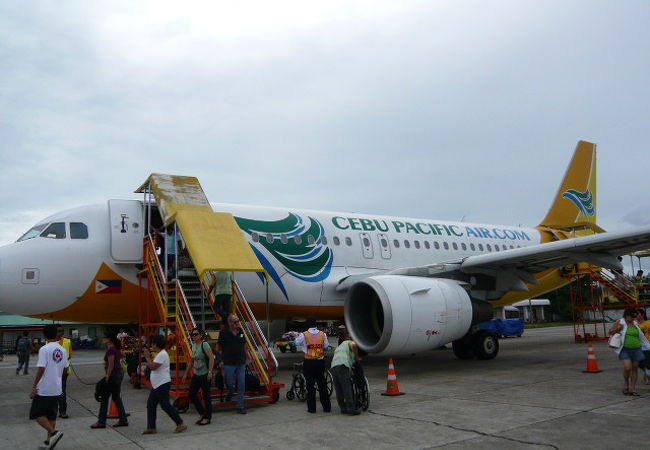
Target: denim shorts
[{"x": 633, "y": 354}]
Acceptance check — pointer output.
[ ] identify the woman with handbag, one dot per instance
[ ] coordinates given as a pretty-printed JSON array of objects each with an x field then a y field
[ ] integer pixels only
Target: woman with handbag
[
  {"x": 630, "y": 350},
  {"x": 202, "y": 362},
  {"x": 113, "y": 377}
]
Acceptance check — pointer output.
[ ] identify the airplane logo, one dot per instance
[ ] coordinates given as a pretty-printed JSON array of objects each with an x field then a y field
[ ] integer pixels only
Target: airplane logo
[
  {"x": 583, "y": 200},
  {"x": 108, "y": 286}
]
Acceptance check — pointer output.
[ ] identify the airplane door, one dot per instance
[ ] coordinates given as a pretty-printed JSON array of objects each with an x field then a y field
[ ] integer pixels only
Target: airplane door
[
  {"x": 127, "y": 232},
  {"x": 366, "y": 245},
  {"x": 384, "y": 245}
]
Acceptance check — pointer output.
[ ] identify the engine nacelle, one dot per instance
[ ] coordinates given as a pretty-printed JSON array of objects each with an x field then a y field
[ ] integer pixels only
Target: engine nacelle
[{"x": 396, "y": 314}]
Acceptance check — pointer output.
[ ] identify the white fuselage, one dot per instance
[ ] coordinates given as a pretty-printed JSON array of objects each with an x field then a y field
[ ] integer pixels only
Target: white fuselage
[{"x": 47, "y": 276}]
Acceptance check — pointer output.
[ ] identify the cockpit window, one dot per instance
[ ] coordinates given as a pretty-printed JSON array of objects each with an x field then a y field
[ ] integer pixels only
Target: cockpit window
[
  {"x": 56, "y": 230},
  {"x": 78, "y": 230},
  {"x": 33, "y": 232}
]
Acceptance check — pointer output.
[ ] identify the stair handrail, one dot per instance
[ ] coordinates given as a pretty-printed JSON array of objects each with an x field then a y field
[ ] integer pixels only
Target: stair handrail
[
  {"x": 619, "y": 282},
  {"x": 256, "y": 328},
  {"x": 155, "y": 269},
  {"x": 184, "y": 317}
]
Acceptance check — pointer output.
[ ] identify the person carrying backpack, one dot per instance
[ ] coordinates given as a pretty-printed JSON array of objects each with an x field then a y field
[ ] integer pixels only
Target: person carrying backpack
[
  {"x": 23, "y": 350},
  {"x": 202, "y": 361}
]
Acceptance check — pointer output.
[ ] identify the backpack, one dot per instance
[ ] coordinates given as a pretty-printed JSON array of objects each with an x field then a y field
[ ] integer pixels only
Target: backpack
[{"x": 23, "y": 345}]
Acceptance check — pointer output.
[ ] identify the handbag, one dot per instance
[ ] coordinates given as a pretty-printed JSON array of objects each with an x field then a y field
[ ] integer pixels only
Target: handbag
[{"x": 615, "y": 340}]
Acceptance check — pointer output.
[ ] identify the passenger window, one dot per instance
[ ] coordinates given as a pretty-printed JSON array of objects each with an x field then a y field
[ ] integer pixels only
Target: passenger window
[
  {"x": 463, "y": 246},
  {"x": 407, "y": 244},
  {"x": 472, "y": 247},
  {"x": 489, "y": 247},
  {"x": 269, "y": 238},
  {"x": 427, "y": 245},
  {"x": 436, "y": 245},
  {"x": 445, "y": 245},
  {"x": 417, "y": 244},
  {"x": 496, "y": 247},
  {"x": 324, "y": 240},
  {"x": 395, "y": 243},
  {"x": 56, "y": 230},
  {"x": 336, "y": 240},
  {"x": 284, "y": 239},
  {"x": 454, "y": 245},
  {"x": 298, "y": 240},
  {"x": 256, "y": 237},
  {"x": 348, "y": 241},
  {"x": 504, "y": 246},
  {"x": 480, "y": 247},
  {"x": 512, "y": 247},
  {"x": 78, "y": 230}
]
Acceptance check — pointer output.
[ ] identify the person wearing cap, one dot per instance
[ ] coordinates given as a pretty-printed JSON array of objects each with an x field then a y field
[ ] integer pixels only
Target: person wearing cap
[
  {"x": 67, "y": 345},
  {"x": 314, "y": 342}
]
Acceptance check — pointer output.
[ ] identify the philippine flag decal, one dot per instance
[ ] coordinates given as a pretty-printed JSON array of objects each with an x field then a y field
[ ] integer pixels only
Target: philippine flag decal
[{"x": 108, "y": 286}]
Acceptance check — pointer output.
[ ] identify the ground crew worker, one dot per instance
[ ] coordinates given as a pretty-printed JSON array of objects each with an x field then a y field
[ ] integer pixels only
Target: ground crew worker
[
  {"x": 67, "y": 345},
  {"x": 314, "y": 342}
]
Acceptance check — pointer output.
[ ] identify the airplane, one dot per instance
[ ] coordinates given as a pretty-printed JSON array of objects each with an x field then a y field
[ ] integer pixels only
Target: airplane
[{"x": 403, "y": 285}]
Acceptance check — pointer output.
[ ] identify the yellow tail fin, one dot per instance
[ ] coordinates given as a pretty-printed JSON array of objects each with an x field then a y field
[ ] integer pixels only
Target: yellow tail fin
[{"x": 575, "y": 202}]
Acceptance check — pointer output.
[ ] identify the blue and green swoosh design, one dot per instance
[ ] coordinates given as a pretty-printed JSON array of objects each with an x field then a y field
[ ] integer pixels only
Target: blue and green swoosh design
[
  {"x": 583, "y": 200},
  {"x": 311, "y": 262}
]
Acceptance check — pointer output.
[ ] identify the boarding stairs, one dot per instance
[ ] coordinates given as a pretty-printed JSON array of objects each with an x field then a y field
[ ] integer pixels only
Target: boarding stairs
[
  {"x": 214, "y": 243},
  {"x": 588, "y": 287}
]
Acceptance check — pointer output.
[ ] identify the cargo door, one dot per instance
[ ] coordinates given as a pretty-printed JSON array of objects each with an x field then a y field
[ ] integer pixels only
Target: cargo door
[{"x": 127, "y": 232}]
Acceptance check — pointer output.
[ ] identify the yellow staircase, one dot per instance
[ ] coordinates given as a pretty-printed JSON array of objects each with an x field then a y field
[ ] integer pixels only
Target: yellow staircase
[{"x": 214, "y": 243}]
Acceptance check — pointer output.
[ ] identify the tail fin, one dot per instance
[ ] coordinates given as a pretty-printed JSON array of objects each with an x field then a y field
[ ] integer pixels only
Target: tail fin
[{"x": 575, "y": 202}]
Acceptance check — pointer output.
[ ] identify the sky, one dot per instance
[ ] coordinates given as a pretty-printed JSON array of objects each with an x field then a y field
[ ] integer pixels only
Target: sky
[{"x": 441, "y": 110}]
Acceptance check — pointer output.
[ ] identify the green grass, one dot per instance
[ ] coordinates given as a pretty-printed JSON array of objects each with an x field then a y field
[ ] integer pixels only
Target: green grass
[{"x": 548, "y": 324}]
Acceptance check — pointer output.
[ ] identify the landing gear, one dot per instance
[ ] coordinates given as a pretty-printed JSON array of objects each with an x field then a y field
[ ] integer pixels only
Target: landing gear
[
  {"x": 483, "y": 344},
  {"x": 486, "y": 344}
]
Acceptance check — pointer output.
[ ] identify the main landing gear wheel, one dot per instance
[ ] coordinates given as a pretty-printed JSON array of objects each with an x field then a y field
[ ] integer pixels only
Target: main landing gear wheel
[
  {"x": 486, "y": 344},
  {"x": 463, "y": 348}
]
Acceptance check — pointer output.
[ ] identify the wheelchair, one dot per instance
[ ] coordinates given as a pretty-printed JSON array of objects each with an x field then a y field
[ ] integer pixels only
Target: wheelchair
[
  {"x": 298, "y": 388},
  {"x": 361, "y": 392}
]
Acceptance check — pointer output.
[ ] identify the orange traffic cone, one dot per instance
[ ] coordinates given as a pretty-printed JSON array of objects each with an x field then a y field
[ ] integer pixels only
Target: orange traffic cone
[
  {"x": 113, "y": 413},
  {"x": 592, "y": 362},
  {"x": 392, "y": 386}
]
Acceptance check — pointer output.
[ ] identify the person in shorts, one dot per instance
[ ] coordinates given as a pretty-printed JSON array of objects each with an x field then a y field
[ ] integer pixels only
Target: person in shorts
[
  {"x": 633, "y": 343},
  {"x": 47, "y": 387}
]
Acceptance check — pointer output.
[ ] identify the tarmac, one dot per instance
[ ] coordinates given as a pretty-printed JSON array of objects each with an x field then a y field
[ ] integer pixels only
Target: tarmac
[{"x": 533, "y": 395}]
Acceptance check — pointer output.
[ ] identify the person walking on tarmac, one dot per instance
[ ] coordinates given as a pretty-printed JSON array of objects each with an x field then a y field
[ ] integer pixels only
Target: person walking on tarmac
[
  {"x": 233, "y": 351},
  {"x": 314, "y": 343},
  {"x": 114, "y": 376},
  {"x": 202, "y": 362},
  {"x": 67, "y": 345},
  {"x": 23, "y": 350}
]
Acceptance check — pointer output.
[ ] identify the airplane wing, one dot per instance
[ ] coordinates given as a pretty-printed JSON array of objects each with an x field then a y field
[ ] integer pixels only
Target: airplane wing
[{"x": 513, "y": 268}]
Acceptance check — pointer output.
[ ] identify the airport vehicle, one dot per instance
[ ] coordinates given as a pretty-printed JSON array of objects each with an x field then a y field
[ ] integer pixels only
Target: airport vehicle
[
  {"x": 285, "y": 342},
  {"x": 403, "y": 285}
]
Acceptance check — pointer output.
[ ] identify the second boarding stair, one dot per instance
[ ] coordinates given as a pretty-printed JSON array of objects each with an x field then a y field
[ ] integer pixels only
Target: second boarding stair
[{"x": 214, "y": 243}]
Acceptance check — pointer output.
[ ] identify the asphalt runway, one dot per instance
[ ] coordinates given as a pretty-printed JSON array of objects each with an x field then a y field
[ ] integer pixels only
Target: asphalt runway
[{"x": 533, "y": 395}]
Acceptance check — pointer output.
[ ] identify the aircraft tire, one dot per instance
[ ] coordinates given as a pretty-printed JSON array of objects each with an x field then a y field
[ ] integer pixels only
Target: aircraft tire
[
  {"x": 486, "y": 344},
  {"x": 463, "y": 348}
]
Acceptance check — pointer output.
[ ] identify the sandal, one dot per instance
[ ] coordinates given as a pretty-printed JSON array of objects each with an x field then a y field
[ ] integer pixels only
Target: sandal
[
  {"x": 625, "y": 391},
  {"x": 204, "y": 421},
  {"x": 634, "y": 394}
]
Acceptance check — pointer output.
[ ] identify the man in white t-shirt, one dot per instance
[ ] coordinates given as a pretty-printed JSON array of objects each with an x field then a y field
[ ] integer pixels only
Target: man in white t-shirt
[
  {"x": 47, "y": 388},
  {"x": 161, "y": 382}
]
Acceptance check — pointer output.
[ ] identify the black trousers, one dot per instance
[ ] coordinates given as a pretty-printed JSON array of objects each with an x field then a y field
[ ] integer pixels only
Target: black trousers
[
  {"x": 314, "y": 371},
  {"x": 160, "y": 395},
  {"x": 63, "y": 401},
  {"x": 203, "y": 383}
]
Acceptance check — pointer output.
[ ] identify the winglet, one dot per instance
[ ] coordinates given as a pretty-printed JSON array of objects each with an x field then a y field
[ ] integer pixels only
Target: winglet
[{"x": 575, "y": 201}]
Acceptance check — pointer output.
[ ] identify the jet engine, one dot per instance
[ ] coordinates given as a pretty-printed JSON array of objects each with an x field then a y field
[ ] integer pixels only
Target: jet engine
[{"x": 394, "y": 314}]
